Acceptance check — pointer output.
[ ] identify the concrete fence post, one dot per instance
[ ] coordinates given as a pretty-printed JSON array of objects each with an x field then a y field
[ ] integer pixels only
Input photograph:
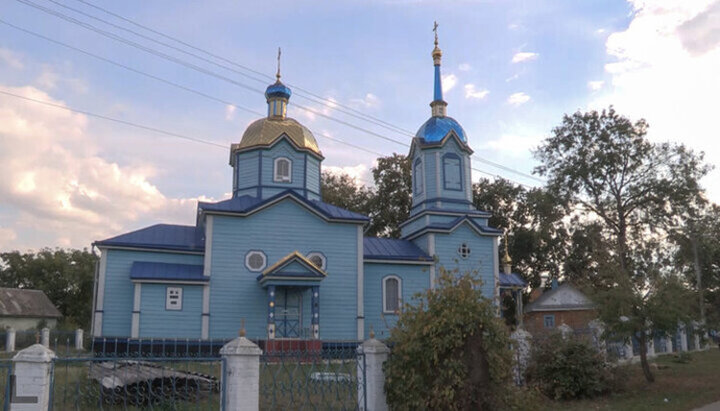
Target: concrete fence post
[
  {"x": 31, "y": 379},
  {"x": 373, "y": 377},
  {"x": 45, "y": 337},
  {"x": 565, "y": 330},
  {"x": 683, "y": 339},
  {"x": 669, "y": 344},
  {"x": 10, "y": 340},
  {"x": 521, "y": 351},
  {"x": 79, "y": 339},
  {"x": 628, "y": 348},
  {"x": 650, "y": 346},
  {"x": 241, "y": 374}
]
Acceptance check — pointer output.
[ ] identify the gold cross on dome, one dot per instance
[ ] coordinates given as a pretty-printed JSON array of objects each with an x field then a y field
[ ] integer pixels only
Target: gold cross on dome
[
  {"x": 277, "y": 76},
  {"x": 435, "y": 27}
]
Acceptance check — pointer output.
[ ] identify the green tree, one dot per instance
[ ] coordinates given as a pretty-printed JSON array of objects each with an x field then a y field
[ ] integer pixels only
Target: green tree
[
  {"x": 65, "y": 276},
  {"x": 343, "y": 191},
  {"x": 450, "y": 350},
  {"x": 604, "y": 169},
  {"x": 392, "y": 197}
]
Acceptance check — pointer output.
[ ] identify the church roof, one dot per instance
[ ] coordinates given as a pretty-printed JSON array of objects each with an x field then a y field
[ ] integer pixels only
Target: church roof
[
  {"x": 19, "y": 302},
  {"x": 247, "y": 204},
  {"x": 511, "y": 280},
  {"x": 160, "y": 236},
  {"x": 562, "y": 298},
  {"x": 375, "y": 248},
  {"x": 266, "y": 131},
  {"x": 452, "y": 225},
  {"x": 146, "y": 270},
  {"x": 436, "y": 128}
]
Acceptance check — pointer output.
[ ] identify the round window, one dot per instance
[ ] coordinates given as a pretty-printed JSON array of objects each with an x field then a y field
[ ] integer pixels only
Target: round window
[
  {"x": 464, "y": 250},
  {"x": 317, "y": 259},
  {"x": 255, "y": 260}
]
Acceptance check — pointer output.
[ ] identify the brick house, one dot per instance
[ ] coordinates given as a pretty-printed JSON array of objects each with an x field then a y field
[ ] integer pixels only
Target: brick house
[{"x": 563, "y": 304}]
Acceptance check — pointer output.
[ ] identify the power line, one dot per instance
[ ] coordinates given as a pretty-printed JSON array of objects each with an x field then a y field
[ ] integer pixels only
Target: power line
[{"x": 213, "y": 74}]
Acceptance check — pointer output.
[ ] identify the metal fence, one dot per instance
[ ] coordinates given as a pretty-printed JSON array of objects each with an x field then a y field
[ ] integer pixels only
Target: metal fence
[{"x": 5, "y": 383}]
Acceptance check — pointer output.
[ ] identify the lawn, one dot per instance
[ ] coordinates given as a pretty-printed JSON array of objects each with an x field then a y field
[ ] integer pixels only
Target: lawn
[{"x": 677, "y": 387}]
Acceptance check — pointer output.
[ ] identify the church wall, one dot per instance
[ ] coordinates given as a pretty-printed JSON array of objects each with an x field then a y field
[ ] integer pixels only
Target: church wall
[
  {"x": 481, "y": 256},
  {"x": 157, "y": 322},
  {"x": 312, "y": 177},
  {"x": 119, "y": 290},
  {"x": 246, "y": 169},
  {"x": 282, "y": 149},
  {"x": 415, "y": 278},
  {"x": 234, "y": 290}
]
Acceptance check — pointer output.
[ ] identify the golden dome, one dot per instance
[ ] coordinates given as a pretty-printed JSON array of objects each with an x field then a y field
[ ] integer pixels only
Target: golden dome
[{"x": 265, "y": 132}]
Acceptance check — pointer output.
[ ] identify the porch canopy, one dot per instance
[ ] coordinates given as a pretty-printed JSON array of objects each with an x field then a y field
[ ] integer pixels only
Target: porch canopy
[{"x": 292, "y": 270}]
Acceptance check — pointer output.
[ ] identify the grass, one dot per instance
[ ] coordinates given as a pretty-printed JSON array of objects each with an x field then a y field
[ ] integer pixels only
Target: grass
[{"x": 677, "y": 387}]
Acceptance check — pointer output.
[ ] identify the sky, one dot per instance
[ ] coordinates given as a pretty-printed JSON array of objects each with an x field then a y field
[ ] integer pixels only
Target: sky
[{"x": 511, "y": 69}]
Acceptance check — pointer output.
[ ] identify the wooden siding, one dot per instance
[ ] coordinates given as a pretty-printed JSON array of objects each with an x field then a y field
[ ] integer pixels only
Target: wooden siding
[
  {"x": 415, "y": 279},
  {"x": 119, "y": 290},
  {"x": 481, "y": 256},
  {"x": 282, "y": 149},
  {"x": 157, "y": 322},
  {"x": 246, "y": 169},
  {"x": 312, "y": 177},
  {"x": 277, "y": 231}
]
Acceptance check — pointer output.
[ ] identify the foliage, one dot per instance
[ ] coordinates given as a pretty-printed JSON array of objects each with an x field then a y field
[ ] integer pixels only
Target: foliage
[
  {"x": 65, "y": 276},
  {"x": 343, "y": 191},
  {"x": 393, "y": 196},
  {"x": 450, "y": 351},
  {"x": 569, "y": 368},
  {"x": 627, "y": 192}
]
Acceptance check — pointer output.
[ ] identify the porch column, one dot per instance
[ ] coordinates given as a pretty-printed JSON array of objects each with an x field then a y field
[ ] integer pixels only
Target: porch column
[
  {"x": 271, "y": 312},
  {"x": 315, "y": 305}
]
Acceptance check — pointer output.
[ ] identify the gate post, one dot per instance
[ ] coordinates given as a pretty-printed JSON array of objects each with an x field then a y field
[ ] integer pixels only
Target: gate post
[
  {"x": 10, "y": 340},
  {"x": 32, "y": 375},
  {"x": 78, "y": 339},
  {"x": 241, "y": 374},
  {"x": 45, "y": 337},
  {"x": 372, "y": 378}
]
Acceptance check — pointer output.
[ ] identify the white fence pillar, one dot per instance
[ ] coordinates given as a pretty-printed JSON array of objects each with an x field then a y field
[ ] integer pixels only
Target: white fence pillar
[
  {"x": 650, "y": 346},
  {"x": 683, "y": 339},
  {"x": 521, "y": 353},
  {"x": 241, "y": 374},
  {"x": 376, "y": 353},
  {"x": 31, "y": 385},
  {"x": 628, "y": 348},
  {"x": 565, "y": 330},
  {"x": 669, "y": 344},
  {"x": 45, "y": 337},
  {"x": 10, "y": 340},
  {"x": 79, "y": 339}
]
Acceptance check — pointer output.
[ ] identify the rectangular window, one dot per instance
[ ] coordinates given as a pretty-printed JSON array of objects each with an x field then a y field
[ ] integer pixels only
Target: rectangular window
[
  {"x": 452, "y": 173},
  {"x": 549, "y": 321},
  {"x": 173, "y": 298}
]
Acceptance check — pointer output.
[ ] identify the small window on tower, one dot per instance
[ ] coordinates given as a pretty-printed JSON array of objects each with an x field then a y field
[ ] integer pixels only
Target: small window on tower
[
  {"x": 418, "y": 176},
  {"x": 283, "y": 170},
  {"x": 452, "y": 170},
  {"x": 173, "y": 298}
]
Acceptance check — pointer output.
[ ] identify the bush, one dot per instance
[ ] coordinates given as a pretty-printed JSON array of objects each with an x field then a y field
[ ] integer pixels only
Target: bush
[
  {"x": 450, "y": 351},
  {"x": 570, "y": 368}
]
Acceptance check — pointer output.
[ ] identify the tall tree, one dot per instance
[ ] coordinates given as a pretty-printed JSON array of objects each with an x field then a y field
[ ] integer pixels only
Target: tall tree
[
  {"x": 343, "y": 191},
  {"x": 65, "y": 276},
  {"x": 604, "y": 168},
  {"x": 393, "y": 196}
]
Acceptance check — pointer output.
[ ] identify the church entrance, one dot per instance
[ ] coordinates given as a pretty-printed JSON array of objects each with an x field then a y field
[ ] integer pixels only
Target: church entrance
[{"x": 288, "y": 312}]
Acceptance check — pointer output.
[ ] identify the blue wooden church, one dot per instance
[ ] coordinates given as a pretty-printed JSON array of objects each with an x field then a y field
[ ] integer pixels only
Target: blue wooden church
[{"x": 288, "y": 265}]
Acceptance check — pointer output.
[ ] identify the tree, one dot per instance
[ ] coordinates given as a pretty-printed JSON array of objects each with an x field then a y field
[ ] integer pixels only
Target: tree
[
  {"x": 392, "y": 199},
  {"x": 450, "y": 350},
  {"x": 603, "y": 168},
  {"x": 65, "y": 276},
  {"x": 343, "y": 191}
]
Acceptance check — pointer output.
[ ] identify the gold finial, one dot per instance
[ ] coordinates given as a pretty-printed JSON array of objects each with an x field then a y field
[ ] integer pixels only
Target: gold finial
[
  {"x": 242, "y": 328},
  {"x": 277, "y": 76},
  {"x": 372, "y": 332}
]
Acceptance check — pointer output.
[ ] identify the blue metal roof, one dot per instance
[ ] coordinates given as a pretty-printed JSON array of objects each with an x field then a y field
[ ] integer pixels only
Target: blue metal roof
[
  {"x": 511, "y": 280},
  {"x": 375, "y": 248},
  {"x": 246, "y": 204},
  {"x": 278, "y": 90},
  {"x": 436, "y": 128},
  {"x": 144, "y": 270},
  {"x": 451, "y": 225},
  {"x": 160, "y": 236}
]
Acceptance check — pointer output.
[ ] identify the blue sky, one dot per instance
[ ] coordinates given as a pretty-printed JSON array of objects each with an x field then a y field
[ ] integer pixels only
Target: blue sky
[{"x": 511, "y": 70}]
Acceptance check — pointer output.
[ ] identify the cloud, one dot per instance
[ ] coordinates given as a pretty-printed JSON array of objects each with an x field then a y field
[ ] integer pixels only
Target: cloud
[
  {"x": 60, "y": 186},
  {"x": 11, "y": 59},
  {"x": 524, "y": 56},
  {"x": 229, "y": 112},
  {"x": 512, "y": 78},
  {"x": 595, "y": 85},
  {"x": 666, "y": 71},
  {"x": 515, "y": 145},
  {"x": 464, "y": 67},
  {"x": 449, "y": 81},
  {"x": 361, "y": 173},
  {"x": 472, "y": 92},
  {"x": 7, "y": 238},
  {"x": 517, "y": 99},
  {"x": 369, "y": 101},
  {"x": 324, "y": 109},
  {"x": 49, "y": 79}
]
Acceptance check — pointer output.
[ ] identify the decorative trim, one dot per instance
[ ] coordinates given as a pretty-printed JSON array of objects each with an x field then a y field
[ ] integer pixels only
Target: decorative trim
[
  {"x": 422, "y": 231},
  {"x": 259, "y": 187},
  {"x": 431, "y": 251},
  {"x": 437, "y": 175},
  {"x": 454, "y": 156},
  {"x": 247, "y": 260},
  {"x": 360, "y": 286},
  {"x": 458, "y": 213},
  {"x": 285, "y": 187},
  {"x": 153, "y": 249},
  {"x": 207, "y": 261},
  {"x": 496, "y": 273},
  {"x": 100, "y": 300},
  {"x": 205, "y": 327},
  {"x": 280, "y": 138},
  {"x": 384, "y": 294},
  {"x": 279, "y": 178},
  {"x": 403, "y": 262},
  {"x": 418, "y": 177},
  {"x": 135, "y": 325},
  {"x": 168, "y": 306},
  {"x": 185, "y": 282}
]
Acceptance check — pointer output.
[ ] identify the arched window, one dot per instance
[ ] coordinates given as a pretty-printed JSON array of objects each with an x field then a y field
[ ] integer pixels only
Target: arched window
[
  {"x": 452, "y": 172},
  {"x": 392, "y": 294},
  {"x": 283, "y": 170},
  {"x": 418, "y": 177}
]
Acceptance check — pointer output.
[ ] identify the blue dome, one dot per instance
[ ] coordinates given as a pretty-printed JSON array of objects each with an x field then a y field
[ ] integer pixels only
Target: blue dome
[
  {"x": 278, "y": 90},
  {"x": 436, "y": 128}
]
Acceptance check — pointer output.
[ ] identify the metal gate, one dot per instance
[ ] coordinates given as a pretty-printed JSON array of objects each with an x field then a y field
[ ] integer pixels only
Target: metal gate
[{"x": 5, "y": 383}]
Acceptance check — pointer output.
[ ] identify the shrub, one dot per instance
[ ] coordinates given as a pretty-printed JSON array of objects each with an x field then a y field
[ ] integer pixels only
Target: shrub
[
  {"x": 569, "y": 368},
  {"x": 450, "y": 351}
]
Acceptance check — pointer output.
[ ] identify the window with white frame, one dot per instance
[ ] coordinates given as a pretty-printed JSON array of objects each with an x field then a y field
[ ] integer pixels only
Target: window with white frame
[
  {"x": 255, "y": 260},
  {"x": 283, "y": 170},
  {"x": 318, "y": 259},
  {"x": 392, "y": 294},
  {"x": 173, "y": 298}
]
